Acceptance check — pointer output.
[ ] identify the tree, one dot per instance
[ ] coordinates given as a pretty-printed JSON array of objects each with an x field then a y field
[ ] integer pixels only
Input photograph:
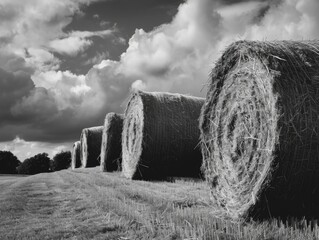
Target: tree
[
  {"x": 8, "y": 162},
  {"x": 61, "y": 161},
  {"x": 36, "y": 164}
]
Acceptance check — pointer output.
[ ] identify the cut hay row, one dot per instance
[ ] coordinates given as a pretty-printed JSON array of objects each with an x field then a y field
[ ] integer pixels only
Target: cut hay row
[
  {"x": 75, "y": 157},
  {"x": 161, "y": 135},
  {"x": 91, "y": 146},
  {"x": 259, "y": 130},
  {"x": 111, "y": 147}
]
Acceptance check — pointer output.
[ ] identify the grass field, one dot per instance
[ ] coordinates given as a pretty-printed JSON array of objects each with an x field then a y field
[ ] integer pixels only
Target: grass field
[{"x": 89, "y": 204}]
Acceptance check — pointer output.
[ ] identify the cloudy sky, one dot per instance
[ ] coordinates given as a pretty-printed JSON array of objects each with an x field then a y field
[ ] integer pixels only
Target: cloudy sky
[{"x": 64, "y": 64}]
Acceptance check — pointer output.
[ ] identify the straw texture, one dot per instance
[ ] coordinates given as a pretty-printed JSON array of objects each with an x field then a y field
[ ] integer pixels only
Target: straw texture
[
  {"x": 91, "y": 139},
  {"x": 259, "y": 130},
  {"x": 111, "y": 148},
  {"x": 75, "y": 157},
  {"x": 161, "y": 136}
]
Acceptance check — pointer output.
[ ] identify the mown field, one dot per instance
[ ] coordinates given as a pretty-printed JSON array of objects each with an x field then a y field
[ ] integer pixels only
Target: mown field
[{"x": 89, "y": 204}]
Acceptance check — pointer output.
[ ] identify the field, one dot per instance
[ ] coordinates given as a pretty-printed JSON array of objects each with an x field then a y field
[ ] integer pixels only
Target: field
[{"x": 89, "y": 204}]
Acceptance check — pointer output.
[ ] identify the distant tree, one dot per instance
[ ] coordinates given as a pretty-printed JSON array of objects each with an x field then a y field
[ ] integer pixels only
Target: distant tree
[
  {"x": 51, "y": 165},
  {"x": 8, "y": 162},
  {"x": 37, "y": 164},
  {"x": 61, "y": 160}
]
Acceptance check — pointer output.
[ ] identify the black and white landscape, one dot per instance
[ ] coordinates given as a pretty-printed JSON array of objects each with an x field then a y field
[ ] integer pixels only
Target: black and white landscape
[{"x": 159, "y": 119}]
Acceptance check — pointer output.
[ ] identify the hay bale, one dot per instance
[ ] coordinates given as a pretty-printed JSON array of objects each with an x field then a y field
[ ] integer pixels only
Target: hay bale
[
  {"x": 111, "y": 147},
  {"x": 75, "y": 157},
  {"x": 259, "y": 130},
  {"x": 91, "y": 139},
  {"x": 161, "y": 136}
]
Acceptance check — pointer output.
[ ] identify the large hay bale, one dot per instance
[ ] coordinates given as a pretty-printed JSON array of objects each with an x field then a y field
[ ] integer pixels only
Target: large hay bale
[
  {"x": 111, "y": 147},
  {"x": 75, "y": 157},
  {"x": 91, "y": 139},
  {"x": 259, "y": 130},
  {"x": 161, "y": 136}
]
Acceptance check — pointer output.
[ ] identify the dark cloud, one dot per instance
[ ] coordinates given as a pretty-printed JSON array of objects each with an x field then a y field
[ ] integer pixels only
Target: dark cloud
[
  {"x": 20, "y": 103},
  {"x": 8, "y": 13},
  {"x": 14, "y": 86},
  {"x": 56, "y": 105},
  {"x": 33, "y": 112},
  {"x": 128, "y": 14},
  {"x": 38, "y": 118},
  {"x": 38, "y": 106}
]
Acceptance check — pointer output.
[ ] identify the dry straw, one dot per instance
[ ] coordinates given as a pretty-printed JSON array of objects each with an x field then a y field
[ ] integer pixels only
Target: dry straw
[
  {"x": 111, "y": 147},
  {"x": 161, "y": 136},
  {"x": 91, "y": 146},
  {"x": 75, "y": 158},
  {"x": 259, "y": 130}
]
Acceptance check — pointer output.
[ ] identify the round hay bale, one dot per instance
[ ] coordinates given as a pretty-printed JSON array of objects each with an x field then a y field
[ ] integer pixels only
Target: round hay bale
[
  {"x": 91, "y": 139},
  {"x": 259, "y": 130},
  {"x": 75, "y": 157},
  {"x": 161, "y": 136},
  {"x": 111, "y": 147}
]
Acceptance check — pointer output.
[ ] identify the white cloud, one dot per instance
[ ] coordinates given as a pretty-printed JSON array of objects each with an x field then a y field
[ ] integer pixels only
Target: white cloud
[
  {"x": 25, "y": 149},
  {"x": 105, "y": 63},
  {"x": 70, "y": 45},
  {"x": 178, "y": 56},
  {"x": 59, "y": 148},
  {"x": 174, "y": 57},
  {"x": 138, "y": 85},
  {"x": 75, "y": 42},
  {"x": 69, "y": 90},
  {"x": 37, "y": 25},
  {"x": 87, "y": 34},
  {"x": 80, "y": 89},
  {"x": 40, "y": 59},
  {"x": 32, "y": 24},
  {"x": 293, "y": 19}
]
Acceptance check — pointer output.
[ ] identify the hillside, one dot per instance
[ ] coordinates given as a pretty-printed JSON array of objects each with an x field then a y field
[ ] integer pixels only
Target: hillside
[{"x": 89, "y": 204}]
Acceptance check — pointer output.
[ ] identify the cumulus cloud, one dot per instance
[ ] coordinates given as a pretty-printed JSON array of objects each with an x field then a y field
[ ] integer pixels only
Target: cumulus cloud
[
  {"x": 292, "y": 19},
  {"x": 70, "y": 46},
  {"x": 176, "y": 57},
  {"x": 23, "y": 24},
  {"x": 173, "y": 57},
  {"x": 67, "y": 89},
  {"x": 78, "y": 41},
  {"x": 40, "y": 59},
  {"x": 138, "y": 85},
  {"x": 32, "y": 29},
  {"x": 86, "y": 34}
]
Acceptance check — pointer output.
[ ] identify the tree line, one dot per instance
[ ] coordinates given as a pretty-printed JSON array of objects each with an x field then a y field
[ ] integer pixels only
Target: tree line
[{"x": 40, "y": 163}]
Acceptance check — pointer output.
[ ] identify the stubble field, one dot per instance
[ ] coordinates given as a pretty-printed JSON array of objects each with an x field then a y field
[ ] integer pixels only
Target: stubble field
[{"x": 90, "y": 204}]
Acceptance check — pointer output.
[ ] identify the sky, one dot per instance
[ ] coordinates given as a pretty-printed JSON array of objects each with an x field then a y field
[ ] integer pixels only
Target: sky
[{"x": 64, "y": 64}]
